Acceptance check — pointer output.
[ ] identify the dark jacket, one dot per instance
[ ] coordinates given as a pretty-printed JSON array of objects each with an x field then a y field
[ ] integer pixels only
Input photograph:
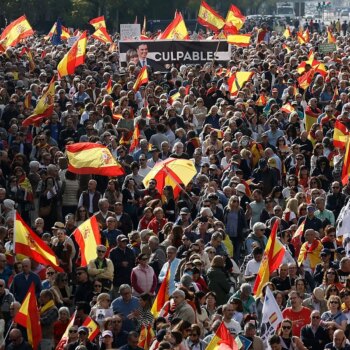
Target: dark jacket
[
  {"x": 121, "y": 273},
  {"x": 241, "y": 224},
  {"x": 218, "y": 283},
  {"x": 88, "y": 345}
]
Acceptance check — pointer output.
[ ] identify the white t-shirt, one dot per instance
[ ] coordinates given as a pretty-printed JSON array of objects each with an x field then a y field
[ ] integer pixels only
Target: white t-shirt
[{"x": 233, "y": 326}]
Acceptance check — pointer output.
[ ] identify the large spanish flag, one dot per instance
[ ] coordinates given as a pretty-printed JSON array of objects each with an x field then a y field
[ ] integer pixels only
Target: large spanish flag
[
  {"x": 74, "y": 57},
  {"x": 27, "y": 243},
  {"x": 162, "y": 295},
  {"x": 222, "y": 336},
  {"x": 44, "y": 108},
  {"x": 92, "y": 158},
  {"x": 234, "y": 18},
  {"x": 16, "y": 31},
  {"x": 306, "y": 79},
  {"x": 93, "y": 328},
  {"x": 237, "y": 80},
  {"x": 340, "y": 134},
  {"x": 141, "y": 79},
  {"x": 241, "y": 40},
  {"x": 98, "y": 22},
  {"x": 102, "y": 35},
  {"x": 64, "y": 340},
  {"x": 346, "y": 165},
  {"x": 146, "y": 337},
  {"x": 28, "y": 317},
  {"x": 176, "y": 30},
  {"x": 87, "y": 235},
  {"x": 273, "y": 256},
  {"x": 209, "y": 18}
]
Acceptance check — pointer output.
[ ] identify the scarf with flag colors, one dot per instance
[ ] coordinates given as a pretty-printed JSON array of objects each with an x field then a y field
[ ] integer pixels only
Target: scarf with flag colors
[
  {"x": 92, "y": 158},
  {"x": 176, "y": 30},
  {"x": 28, "y": 317},
  {"x": 209, "y": 18},
  {"x": 141, "y": 79},
  {"x": 87, "y": 235},
  {"x": 44, "y": 107},
  {"x": 74, "y": 57},
  {"x": 162, "y": 295},
  {"x": 27, "y": 243},
  {"x": 272, "y": 258},
  {"x": 15, "y": 32}
]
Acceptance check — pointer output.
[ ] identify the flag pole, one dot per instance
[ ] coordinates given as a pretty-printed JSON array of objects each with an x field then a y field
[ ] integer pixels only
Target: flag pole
[
  {"x": 216, "y": 51},
  {"x": 8, "y": 332}
]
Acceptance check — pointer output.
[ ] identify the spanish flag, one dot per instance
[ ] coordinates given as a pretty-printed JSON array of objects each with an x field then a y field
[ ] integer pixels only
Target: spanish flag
[
  {"x": 261, "y": 101},
  {"x": 306, "y": 79},
  {"x": 272, "y": 259},
  {"x": 174, "y": 97},
  {"x": 330, "y": 37},
  {"x": 310, "y": 118},
  {"x": 142, "y": 78},
  {"x": 241, "y": 40},
  {"x": 176, "y": 30},
  {"x": 222, "y": 336},
  {"x": 146, "y": 337},
  {"x": 64, "y": 35},
  {"x": 306, "y": 35},
  {"x": 28, "y": 317},
  {"x": 93, "y": 328},
  {"x": 102, "y": 35},
  {"x": 284, "y": 46},
  {"x": 27, "y": 100},
  {"x": 234, "y": 18},
  {"x": 64, "y": 339},
  {"x": 29, "y": 55},
  {"x": 98, "y": 22},
  {"x": 109, "y": 86},
  {"x": 88, "y": 237},
  {"x": 162, "y": 295},
  {"x": 287, "y": 34},
  {"x": 237, "y": 80},
  {"x": 15, "y": 32},
  {"x": 287, "y": 108},
  {"x": 300, "y": 38},
  {"x": 27, "y": 243},
  {"x": 135, "y": 138},
  {"x": 74, "y": 57},
  {"x": 92, "y": 158},
  {"x": 296, "y": 239},
  {"x": 44, "y": 108},
  {"x": 346, "y": 165},
  {"x": 340, "y": 135},
  {"x": 209, "y": 18}
]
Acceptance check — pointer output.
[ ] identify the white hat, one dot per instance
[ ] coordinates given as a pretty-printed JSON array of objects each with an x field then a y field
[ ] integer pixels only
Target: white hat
[{"x": 240, "y": 188}]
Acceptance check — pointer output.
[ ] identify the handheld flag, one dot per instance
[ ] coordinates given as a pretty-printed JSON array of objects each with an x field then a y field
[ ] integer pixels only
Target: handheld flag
[
  {"x": 64, "y": 339},
  {"x": 27, "y": 243},
  {"x": 141, "y": 79},
  {"x": 237, "y": 80},
  {"x": 271, "y": 316},
  {"x": 306, "y": 79},
  {"x": 346, "y": 165},
  {"x": 92, "y": 158},
  {"x": 74, "y": 57},
  {"x": 330, "y": 37},
  {"x": 162, "y": 295},
  {"x": 98, "y": 22},
  {"x": 44, "y": 108},
  {"x": 287, "y": 34},
  {"x": 102, "y": 35},
  {"x": 176, "y": 30},
  {"x": 109, "y": 86},
  {"x": 261, "y": 101},
  {"x": 310, "y": 118},
  {"x": 87, "y": 235},
  {"x": 272, "y": 258},
  {"x": 284, "y": 46},
  {"x": 93, "y": 328},
  {"x": 209, "y": 18},
  {"x": 340, "y": 134},
  {"x": 15, "y": 32},
  {"x": 56, "y": 37},
  {"x": 234, "y": 18},
  {"x": 28, "y": 317},
  {"x": 143, "y": 31},
  {"x": 287, "y": 108},
  {"x": 241, "y": 40},
  {"x": 222, "y": 336},
  {"x": 146, "y": 336},
  {"x": 135, "y": 138}
]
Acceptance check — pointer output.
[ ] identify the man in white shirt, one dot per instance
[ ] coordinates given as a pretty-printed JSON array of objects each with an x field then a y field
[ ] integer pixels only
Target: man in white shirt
[
  {"x": 233, "y": 326},
  {"x": 253, "y": 266}
]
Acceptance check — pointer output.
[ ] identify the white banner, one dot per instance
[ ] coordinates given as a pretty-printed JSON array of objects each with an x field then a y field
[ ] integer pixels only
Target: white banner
[
  {"x": 343, "y": 221},
  {"x": 271, "y": 316},
  {"x": 130, "y": 32}
]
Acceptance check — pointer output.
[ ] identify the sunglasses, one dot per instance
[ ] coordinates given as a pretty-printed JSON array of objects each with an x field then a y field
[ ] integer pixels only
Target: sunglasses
[
  {"x": 333, "y": 302},
  {"x": 98, "y": 285},
  {"x": 330, "y": 273},
  {"x": 316, "y": 317},
  {"x": 286, "y": 327},
  {"x": 101, "y": 251},
  {"x": 73, "y": 331},
  {"x": 50, "y": 273}
]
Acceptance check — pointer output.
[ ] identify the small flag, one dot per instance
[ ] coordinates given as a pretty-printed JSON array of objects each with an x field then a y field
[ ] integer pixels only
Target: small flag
[
  {"x": 209, "y": 18},
  {"x": 241, "y": 40},
  {"x": 162, "y": 295},
  {"x": 146, "y": 336},
  {"x": 98, "y": 22},
  {"x": 28, "y": 317},
  {"x": 176, "y": 30},
  {"x": 93, "y": 328},
  {"x": 234, "y": 19},
  {"x": 237, "y": 80},
  {"x": 102, "y": 35},
  {"x": 109, "y": 86},
  {"x": 61, "y": 344},
  {"x": 141, "y": 79},
  {"x": 287, "y": 34},
  {"x": 340, "y": 135}
]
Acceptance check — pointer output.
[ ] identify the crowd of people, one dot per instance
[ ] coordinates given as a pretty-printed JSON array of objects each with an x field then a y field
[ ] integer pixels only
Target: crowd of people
[{"x": 255, "y": 164}]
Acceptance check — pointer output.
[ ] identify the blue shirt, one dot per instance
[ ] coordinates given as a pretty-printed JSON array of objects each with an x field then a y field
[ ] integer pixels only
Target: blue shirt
[
  {"x": 21, "y": 284},
  {"x": 119, "y": 306}
]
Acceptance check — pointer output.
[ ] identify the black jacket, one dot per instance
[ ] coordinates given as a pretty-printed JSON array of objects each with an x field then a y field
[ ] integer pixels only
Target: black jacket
[
  {"x": 315, "y": 341},
  {"x": 121, "y": 273}
]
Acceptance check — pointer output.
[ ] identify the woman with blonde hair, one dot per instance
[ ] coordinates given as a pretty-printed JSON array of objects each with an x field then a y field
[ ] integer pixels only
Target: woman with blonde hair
[
  {"x": 334, "y": 317},
  {"x": 291, "y": 212},
  {"x": 103, "y": 302}
]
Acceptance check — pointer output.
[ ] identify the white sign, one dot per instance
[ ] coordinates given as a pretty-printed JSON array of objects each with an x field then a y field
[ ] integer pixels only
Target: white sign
[
  {"x": 130, "y": 31},
  {"x": 72, "y": 40}
]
